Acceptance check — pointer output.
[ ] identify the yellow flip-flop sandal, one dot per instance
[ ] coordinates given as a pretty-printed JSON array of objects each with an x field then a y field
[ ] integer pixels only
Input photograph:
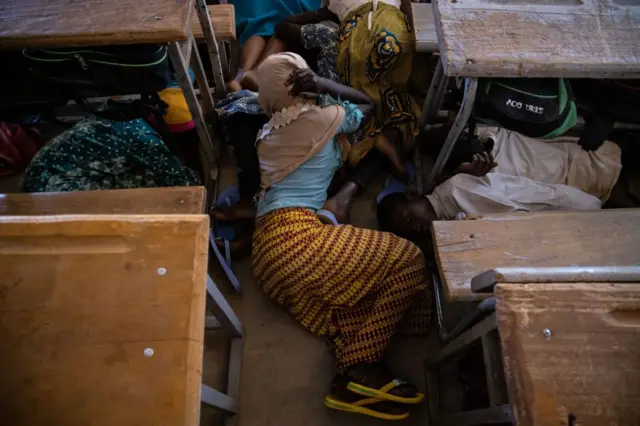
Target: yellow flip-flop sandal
[
  {"x": 360, "y": 408},
  {"x": 383, "y": 392}
]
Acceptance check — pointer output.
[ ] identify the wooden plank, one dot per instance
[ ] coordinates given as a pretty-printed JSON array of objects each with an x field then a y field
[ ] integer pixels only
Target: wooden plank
[
  {"x": 466, "y": 248},
  {"x": 540, "y": 38},
  {"x": 590, "y": 366},
  {"x": 424, "y": 26},
  {"x": 223, "y": 20},
  {"x": 102, "y": 319},
  {"x": 176, "y": 200},
  {"x": 40, "y": 23}
]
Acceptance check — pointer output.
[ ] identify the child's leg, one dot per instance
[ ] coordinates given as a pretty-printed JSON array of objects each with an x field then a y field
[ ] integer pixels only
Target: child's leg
[
  {"x": 250, "y": 78},
  {"x": 249, "y": 56}
]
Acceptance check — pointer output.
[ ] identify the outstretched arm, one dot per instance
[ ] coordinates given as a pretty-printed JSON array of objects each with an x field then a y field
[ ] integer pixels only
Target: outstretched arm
[{"x": 304, "y": 80}]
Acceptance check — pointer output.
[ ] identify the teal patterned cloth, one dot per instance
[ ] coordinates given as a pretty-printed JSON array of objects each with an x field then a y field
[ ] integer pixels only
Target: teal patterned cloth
[{"x": 103, "y": 154}]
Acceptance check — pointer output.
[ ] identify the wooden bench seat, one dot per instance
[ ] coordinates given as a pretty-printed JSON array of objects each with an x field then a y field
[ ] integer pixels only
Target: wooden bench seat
[
  {"x": 424, "y": 27},
  {"x": 223, "y": 20},
  {"x": 466, "y": 248},
  {"x": 177, "y": 200}
]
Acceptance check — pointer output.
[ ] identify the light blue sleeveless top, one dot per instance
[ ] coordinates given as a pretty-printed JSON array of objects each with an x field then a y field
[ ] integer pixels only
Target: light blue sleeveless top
[{"x": 307, "y": 185}]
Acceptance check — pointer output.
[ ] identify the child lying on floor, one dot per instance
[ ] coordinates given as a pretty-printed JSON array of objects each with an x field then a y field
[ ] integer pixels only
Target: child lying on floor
[{"x": 502, "y": 171}]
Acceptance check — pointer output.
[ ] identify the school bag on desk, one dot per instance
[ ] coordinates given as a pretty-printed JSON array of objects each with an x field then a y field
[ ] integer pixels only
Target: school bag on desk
[
  {"x": 535, "y": 107},
  {"x": 604, "y": 102}
]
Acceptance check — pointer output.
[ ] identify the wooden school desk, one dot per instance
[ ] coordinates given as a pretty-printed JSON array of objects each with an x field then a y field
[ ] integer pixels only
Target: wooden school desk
[
  {"x": 97, "y": 238},
  {"x": 564, "y": 340},
  {"x": 525, "y": 38},
  {"x": 102, "y": 319},
  {"x": 60, "y": 23},
  {"x": 466, "y": 249}
]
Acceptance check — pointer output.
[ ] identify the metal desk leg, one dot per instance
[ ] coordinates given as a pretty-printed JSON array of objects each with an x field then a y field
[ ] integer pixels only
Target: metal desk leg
[
  {"x": 212, "y": 45},
  {"x": 430, "y": 108},
  {"x": 500, "y": 410},
  {"x": 433, "y": 101},
  {"x": 417, "y": 166},
  {"x": 471, "y": 86},
  {"x": 208, "y": 107},
  {"x": 181, "y": 66},
  {"x": 478, "y": 311},
  {"x": 226, "y": 319},
  {"x": 219, "y": 307}
]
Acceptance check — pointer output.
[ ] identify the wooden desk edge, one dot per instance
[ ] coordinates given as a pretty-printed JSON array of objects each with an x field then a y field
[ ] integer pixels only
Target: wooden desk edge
[{"x": 192, "y": 201}]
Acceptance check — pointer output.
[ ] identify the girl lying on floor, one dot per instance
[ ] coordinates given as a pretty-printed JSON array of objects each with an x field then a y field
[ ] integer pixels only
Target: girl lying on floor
[
  {"x": 354, "y": 287},
  {"x": 503, "y": 172}
]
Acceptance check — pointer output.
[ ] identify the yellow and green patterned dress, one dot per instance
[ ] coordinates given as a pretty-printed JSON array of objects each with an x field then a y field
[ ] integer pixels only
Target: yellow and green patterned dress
[{"x": 378, "y": 61}]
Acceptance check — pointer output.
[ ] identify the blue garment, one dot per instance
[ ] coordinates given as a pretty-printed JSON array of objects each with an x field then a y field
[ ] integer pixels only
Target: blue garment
[
  {"x": 323, "y": 36},
  {"x": 260, "y": 17},
  {"x": 244, "y": 101},
  {"x": 307, "y": 185}
]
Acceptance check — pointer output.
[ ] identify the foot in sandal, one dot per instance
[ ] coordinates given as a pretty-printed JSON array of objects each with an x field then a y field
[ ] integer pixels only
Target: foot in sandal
[
  {"x": 376, "y": 381},
  {"x": 342, "y": 399}
]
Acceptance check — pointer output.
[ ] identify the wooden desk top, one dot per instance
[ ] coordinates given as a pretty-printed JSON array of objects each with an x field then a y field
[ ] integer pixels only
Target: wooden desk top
[
  {"x": 589, "y": 367},
  {"x": 93, "y": 330},
  {"x": 465, "y": 248},
  {"x": 41, "y": 23},
  {"x": 539, "y": 38},
  {"x": 176, "y": 200}
]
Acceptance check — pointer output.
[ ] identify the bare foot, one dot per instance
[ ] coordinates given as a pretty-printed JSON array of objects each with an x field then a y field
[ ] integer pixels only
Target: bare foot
[
  {"x": 250, "y": 81},
  {"x": 234, "y": 86},
  {"x": 340, "y": 204}
]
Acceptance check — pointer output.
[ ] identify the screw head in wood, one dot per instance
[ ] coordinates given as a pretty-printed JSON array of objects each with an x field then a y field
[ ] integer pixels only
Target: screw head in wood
[
  {"x": 148, "y": 352},
  {"x": 162, "y": 271},
  {"x": 546, "y": 333}
]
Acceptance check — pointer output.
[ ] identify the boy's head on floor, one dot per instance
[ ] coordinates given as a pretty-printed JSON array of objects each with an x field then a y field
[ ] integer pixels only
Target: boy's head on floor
[{"x": 405, "y": 216}]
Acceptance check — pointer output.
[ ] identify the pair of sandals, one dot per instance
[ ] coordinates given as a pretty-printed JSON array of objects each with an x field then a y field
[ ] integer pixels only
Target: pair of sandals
[{"x": 388, "y": 402}]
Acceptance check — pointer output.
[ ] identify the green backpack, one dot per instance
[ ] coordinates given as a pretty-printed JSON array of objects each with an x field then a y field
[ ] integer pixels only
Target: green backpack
[{"x": 535, "y": 107}]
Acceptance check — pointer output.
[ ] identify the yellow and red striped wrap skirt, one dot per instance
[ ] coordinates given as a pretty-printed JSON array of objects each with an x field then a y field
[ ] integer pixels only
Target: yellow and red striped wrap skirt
[{"x": 354, "y": 287}]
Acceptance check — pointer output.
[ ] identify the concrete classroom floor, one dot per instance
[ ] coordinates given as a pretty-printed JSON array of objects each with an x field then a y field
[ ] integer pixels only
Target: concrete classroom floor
[{"x": 286, "y": 370}]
